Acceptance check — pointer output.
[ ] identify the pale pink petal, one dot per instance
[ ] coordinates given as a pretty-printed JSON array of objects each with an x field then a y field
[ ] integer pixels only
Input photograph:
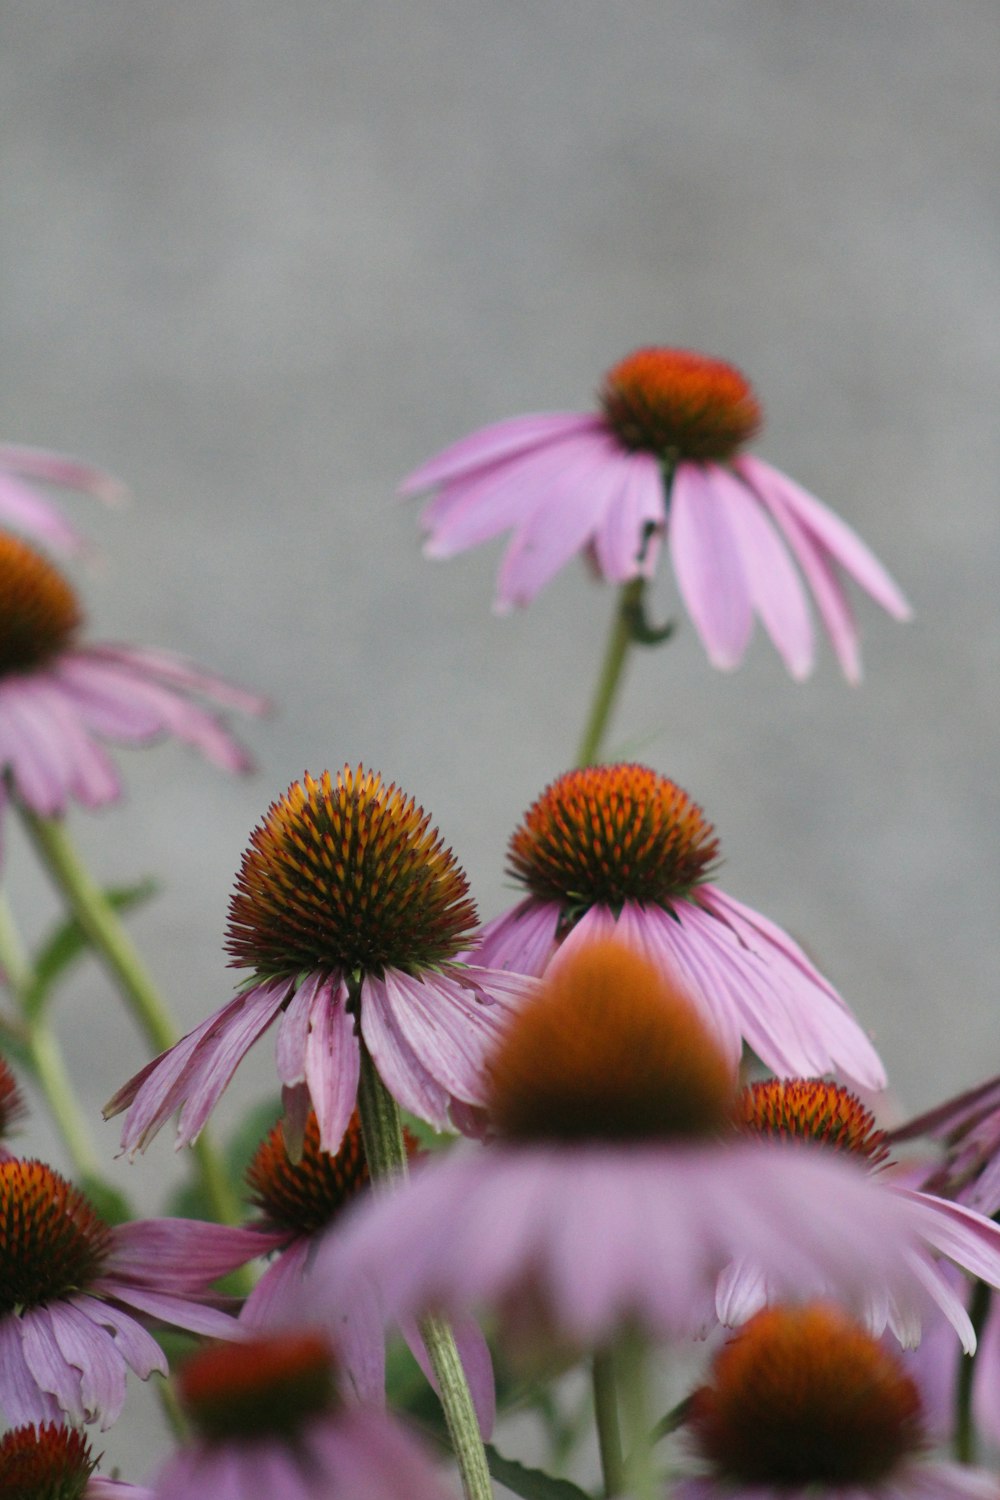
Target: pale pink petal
[
  {"x": 179, "y": 1255},
  {"x": 139, "y": 1349},
  {"x": 624, "y": 532},
  {"x": 841, "y": 542},
  {"x": 402, "y": 1072},
  {"x": 24, "y": 511},
  {"x": 967, "y": 1238},
  {"x": 522, "y": 939},
  {"x": 477, "y": 1362},
  {"x": 21, "y": 1398},
  {"x": 495, "y": 444},
  {"x": 775, "y": 590},
  {"x": 277, "y": 1299},
  {"x": 50, "y": 1368},
  {"x": 179, "y": 1312},
  {"x": 177, "y": 671},
  {"x": 220, "y": 1055},
  {"x": 58, "y": 469},
  {"x": 32, "y": 753},
  {"x": 333, "y": 1061},
  {"x": 293, "y": 1031},
  {"x": 91, "y": 1348},
  {"x": 707, "y": 563}
]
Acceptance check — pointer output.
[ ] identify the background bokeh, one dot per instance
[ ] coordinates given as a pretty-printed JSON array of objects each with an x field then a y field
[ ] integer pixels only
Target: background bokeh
[{"x": 261, "y": 260}]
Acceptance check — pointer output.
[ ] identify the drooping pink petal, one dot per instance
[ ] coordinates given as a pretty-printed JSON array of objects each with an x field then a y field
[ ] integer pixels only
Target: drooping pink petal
[
  {"x": 707, "y": 563},
  {"x": 58, "y": 469},
  {"x": 400, "y": 1069},
  {"x": 494, "y": 444},
  {"x": 220, "y": 1055},
  {"x": 90, "y": 1347},
  {"x": 333, "y": 1061},
  {"x": 23, "y": 511},
  {"x": 178, "y": 1312},
  {"x": 20, "y": 1396},
  {"x": 775, "y": 590},
  {"x": 139, "y": 1349},
  {"x": 178, "y": 1255},
  {"x": 632, "y": 523},
  {"x": 171, "y": 668},
  {"x": 50, "y": 1368},
  {"x": 477, "y": 1362},
  {"x": 841, "y": 542},
  {"x": 522, "y": 939}
]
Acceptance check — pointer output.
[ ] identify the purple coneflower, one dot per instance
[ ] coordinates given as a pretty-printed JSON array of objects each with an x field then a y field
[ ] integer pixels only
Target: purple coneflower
[
  {"x": 621, "y": 851},
  {"x": 59, "y": 700},
  {"x": 662, "y": 457},
  {"x": 615, "y": 1192},
  {"x": 52, "y": 1462},
  {"x": 23, "y": 509},
  {"x": 812, "y": 1110},
  {"x": 298, "y": 1202},
  {"x": 268, "y": 1423},
  {"x": 802, "y": 1402},
  {"x": 352, "y": 913},
  {"x": 71, "y": 1289}
]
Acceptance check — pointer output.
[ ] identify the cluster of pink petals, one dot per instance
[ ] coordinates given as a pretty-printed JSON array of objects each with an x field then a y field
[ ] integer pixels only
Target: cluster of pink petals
[
  {"x": 587, "y": 1237},
  {"x": 24, "y": 510},
  {"x": 563, "y": 483},
  {"x": 53, "y": 721},
  {"x": 749, "y": 980},
  {"x": 968, "y": 1128},
  {"x": 69, "y": 1356},
  {"x": 911, "y": 1479},
  {"x": 937, "y": 1228},
  {"x": 428, "y": 1035},
  {"x": 352, "y": 1455}
]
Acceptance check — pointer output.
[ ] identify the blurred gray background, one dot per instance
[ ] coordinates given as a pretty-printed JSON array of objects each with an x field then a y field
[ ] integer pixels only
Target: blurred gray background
[{"x": 261, "y": 260}]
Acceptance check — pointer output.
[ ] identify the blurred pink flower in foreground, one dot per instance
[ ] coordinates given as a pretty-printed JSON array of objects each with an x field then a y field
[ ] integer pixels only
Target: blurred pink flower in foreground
[
  {"x": 267, "y": 1423},
  {"x": 23, "y": 509},
  {"x": 59, "y": 699},
  {"x": 620, "y": 851},
  {"x": 72, "y": 1292},
  {"x": 662, "y": 458}
]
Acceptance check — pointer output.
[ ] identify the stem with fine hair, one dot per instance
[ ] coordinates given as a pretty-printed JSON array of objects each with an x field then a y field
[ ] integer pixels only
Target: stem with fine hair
[
  {"x": 106, "y": 935},
  {"x": 609, "y": 1436},
  {"x": 385, "y": 1150}
]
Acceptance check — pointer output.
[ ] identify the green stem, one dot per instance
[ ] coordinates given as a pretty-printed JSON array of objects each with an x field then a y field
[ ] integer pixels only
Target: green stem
[
  {"x": 609, "y": 681},
  {"x": 382, "y": 1132},
  {"x": 630, "y": 1362},
  {"x": 609, "y": 1436},
  {"x": 104, "y": 931},
  {"x": 965, "y": 1432},
  {"x": 42, "y": 1054}
]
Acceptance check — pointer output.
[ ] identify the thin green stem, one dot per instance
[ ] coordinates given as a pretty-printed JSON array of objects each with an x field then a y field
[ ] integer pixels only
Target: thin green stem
[
  {"x": 609, "y": 1435},
  {"x": 382, "y": 1132},
  {"x": 633, "y": 1392},
  {"x": 42, "y": 1053},
  {"x": 965, "y": 1431},
  {"x": 104, "y": 931},
  {"x": 609, "y": 681}
]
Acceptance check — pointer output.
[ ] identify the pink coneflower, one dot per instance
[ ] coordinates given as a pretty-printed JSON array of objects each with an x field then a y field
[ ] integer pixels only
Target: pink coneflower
[
  {"x": 352, "y": 912},
  {"x": 802, "y": 1402},
  {"x": 71, "y": 1289},
  {"x": 59, "y": 700},
  {"x": 268, "y": 1424},
  {"x": 23, "y": 509},
  {"x": 810, "y": 1110},
  {"x": 51, "y": 1462},
  {"x": 300, "y": 1200},
  {"x": 615, "y": 1192},
  {"x": 661, "y": 458},
  {"x": 620, "y": 850}
]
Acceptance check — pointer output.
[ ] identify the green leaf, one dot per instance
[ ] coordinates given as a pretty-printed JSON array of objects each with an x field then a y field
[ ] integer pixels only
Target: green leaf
[
  {"x": 112, "y": 1205},
  {"x": 69, "y": 942},
  {"x": 530, "y": 1484}
]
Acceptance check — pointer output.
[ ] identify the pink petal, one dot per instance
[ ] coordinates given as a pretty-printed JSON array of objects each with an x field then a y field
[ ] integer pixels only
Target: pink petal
[
  {"x": 58, "y": 469},
  {"x": 775, "y": 591},
  {"x": 333, "y": 1062},
  {"x": 20, "y": 1395},
  {"x": 623, "y": 533},
  {"x": 707, "y": 563},
  {"x": 494, "y": 444},
  {"x": 24, "y": 511},
  {"x": 522, "y": 939},
  {"x": 404, "y": 1075}
]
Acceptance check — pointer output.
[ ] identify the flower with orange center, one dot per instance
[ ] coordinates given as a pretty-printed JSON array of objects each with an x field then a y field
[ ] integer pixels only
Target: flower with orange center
[
  {"x": 612, "y": 1191},
  {"x": 268, "y": 1422},
  {"x": 72, "y": 1289},
  {"x": 622, "y": 851},
  {"x": 352, "y": 913},
  {"x": 60, "y": 699},
  {"x": 662, "y": 457},
  {"x": 50, "y": 1462},
  {"x": 24, "y": 510},
  {"x": 813, "y": 1111}
]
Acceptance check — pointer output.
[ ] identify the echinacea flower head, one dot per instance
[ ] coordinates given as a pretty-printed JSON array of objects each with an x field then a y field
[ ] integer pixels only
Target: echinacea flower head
[
  {"x": 53, "y": 1462},
  {"x": 12, "y": 1106},
  {"x": 72, "y": 1289},
  {"x": 61, "y": 699},
  {"x": 613, "y": 1189},
  {"x": 268, "y": 1422},
  {"x": 24, "y": 510},
  {"x": 816, "y": 1112},
  {"x": 663, "y": 456},
  {"x": 351, "y": 911},
  {"x": 620, "y": 850},
  {"x": 803, "y": 1401}
]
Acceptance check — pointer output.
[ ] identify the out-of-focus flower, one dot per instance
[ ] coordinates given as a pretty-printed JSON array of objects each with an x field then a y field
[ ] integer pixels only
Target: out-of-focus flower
[
  {"x": 23, "y": 509},
  {"x": 299, "y": 1201},
  {"x": 72, "y": 1291},
  {"x": 59, "y": 700},
  {"x": 268, "y": 1423},
  {"x": 52, "y": 1462},
  {"x": 621, "y": 851},
  {"x": 615, "y": 1193},
  {"x": 662, "y": 457},
  {"x": 352, "y": 913},
  {"x": 12, "y": 1106},
  {"x": 804, "y": 1402},
  {"x": 810, "y": 1110}
]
